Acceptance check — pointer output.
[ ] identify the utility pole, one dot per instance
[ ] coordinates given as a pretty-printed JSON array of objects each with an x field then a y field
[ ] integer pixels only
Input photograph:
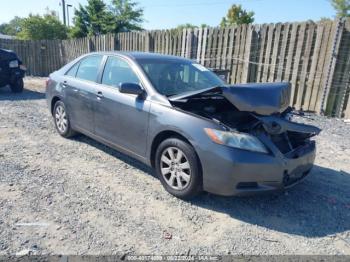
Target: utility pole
[
  {"x": 68, "y": 5},
  {"x": 64, "y": 11}
]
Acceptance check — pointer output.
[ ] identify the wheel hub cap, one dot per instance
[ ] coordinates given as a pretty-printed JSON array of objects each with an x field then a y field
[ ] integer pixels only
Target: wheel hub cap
[
  {"x": 61, "y": 119},
  {"x": 175, "y": 168}
]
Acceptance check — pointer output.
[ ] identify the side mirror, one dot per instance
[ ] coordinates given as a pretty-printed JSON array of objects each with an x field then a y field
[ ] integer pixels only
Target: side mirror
[{"x": 131, "y": 88}]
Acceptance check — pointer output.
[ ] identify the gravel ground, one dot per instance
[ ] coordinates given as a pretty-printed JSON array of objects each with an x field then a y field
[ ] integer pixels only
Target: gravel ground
[{"x": 76, "y": 196}]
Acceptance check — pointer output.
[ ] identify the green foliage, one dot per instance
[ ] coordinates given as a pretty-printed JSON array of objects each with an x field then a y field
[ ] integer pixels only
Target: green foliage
[
  {"x": 325, "y": 19},
  {"x": 189, "y": 25},
  {"x": 97, "y": 18},
  {"x": 90, "y": 20},
  {"x": 36, "y": 27},
  {"x": 236, "y": 15},
  {"x": 125, "y": 16},
  {"x": 342, "y": 7},
  {"x": 12, "y": 28}
]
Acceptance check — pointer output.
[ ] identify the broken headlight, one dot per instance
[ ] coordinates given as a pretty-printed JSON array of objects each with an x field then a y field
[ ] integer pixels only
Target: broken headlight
[
  {"x": 236, "y": 140},
  {"x": 13, "y": 64}
]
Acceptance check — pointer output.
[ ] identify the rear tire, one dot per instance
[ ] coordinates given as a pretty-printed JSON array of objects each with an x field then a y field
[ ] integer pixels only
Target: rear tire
[
  {"x": 61, "y": 120},
  {"x": 17, "y": 86},
  {"x": 178, "y": 168}
]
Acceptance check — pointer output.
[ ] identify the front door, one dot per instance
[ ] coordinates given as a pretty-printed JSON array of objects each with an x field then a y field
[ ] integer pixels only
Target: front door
[{"x": 121, "y": 118}]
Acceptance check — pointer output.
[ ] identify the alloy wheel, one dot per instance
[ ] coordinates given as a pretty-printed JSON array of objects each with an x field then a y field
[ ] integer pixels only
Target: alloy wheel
[
  {"x": 61, "y": 119},
  {"x": 175, "y": 168}
]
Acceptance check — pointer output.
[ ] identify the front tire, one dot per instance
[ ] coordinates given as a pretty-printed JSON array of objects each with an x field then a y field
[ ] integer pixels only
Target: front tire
[
  {"x": 61, "y": 120},
  {"x": 178, "y": 168},
  {"x": 17, "y": 86}
]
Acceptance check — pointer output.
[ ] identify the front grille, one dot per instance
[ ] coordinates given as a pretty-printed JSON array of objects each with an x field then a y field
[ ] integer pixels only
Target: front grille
[
  {"x": 287, "y": 180},
  {"x": 247, "y": 185},
  {"x": 289, "y": 141},
  {"x": 4, "y": 66}
]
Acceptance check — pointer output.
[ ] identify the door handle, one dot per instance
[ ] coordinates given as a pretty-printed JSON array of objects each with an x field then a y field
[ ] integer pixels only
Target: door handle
[
  {"x": 99, "y": 94},
  {"x": 64, "y": 84}
]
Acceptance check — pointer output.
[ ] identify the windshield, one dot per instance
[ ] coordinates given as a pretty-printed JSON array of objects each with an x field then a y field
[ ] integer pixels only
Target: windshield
[{"x": 173, "y": 77}]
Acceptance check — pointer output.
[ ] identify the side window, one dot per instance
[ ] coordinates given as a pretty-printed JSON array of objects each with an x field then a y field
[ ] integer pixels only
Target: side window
[
  {"x": 73, "y": 70},
  {"x": 118, "y": 71},
  {"x": 89, "y": 67}
]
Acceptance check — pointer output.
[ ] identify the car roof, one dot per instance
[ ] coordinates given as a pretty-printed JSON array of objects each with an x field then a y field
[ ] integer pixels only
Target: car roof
[{"x": 145, "y": 55}]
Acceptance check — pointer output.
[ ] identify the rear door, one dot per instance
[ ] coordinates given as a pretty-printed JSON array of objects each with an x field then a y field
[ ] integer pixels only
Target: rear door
[
  {"x": 80, "y": 85},
  {"x": 121, "y": 118}
]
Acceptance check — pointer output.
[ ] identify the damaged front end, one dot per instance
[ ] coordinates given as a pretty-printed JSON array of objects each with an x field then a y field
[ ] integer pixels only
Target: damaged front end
[{"x": 262, "y": 111}]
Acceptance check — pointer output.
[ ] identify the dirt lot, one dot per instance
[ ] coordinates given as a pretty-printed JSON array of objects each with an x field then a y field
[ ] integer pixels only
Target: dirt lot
[{"x": 77, "y": 196}]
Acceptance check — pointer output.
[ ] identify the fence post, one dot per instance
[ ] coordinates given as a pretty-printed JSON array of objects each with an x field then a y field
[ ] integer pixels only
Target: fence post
[
  {"x": 343, "y": 73},
  {"x": 90, "y": 45},
  {"x": 247, "y": 54},
  {"x": 331, "y": 66},
  {"x": 347, "y": 109},
  {"x": 189, "y": 43},
  {"x": 146, "y": 42},
  {"x": 183, "y": 43}
]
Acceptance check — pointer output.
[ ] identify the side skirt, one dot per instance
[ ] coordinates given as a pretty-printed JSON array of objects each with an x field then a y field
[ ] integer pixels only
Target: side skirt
[{"x": 114, "y": 146}]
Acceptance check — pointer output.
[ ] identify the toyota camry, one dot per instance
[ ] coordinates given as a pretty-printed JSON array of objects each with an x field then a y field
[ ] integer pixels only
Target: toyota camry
[{"x": 175, "y": 115}]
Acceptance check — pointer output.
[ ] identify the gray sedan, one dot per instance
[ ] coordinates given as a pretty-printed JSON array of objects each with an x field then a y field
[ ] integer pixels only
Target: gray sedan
[{"x": 175, "y": 115}]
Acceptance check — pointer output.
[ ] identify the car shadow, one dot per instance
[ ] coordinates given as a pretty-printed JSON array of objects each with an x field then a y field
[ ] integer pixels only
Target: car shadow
[
  {"x": 7, "y": 95},
  {"x": 317, "y": 207},
  {"x": 115, "y": 153}
]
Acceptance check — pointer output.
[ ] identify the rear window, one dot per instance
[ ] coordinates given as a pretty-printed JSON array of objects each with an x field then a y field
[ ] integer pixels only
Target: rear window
[{"x": 73, "y": 71}]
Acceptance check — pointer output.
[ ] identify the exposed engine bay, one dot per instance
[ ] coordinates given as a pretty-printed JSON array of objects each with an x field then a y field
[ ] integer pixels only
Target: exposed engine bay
[{"x": 257, "y": 109}]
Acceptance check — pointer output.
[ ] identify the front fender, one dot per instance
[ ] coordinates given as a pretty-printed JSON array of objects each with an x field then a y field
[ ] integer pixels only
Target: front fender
[{"x": 167, "y": 118}]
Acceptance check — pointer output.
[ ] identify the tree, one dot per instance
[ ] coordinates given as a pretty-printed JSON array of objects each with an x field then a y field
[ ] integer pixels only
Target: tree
[
  {"x": 11, "y": 28},
  {"x": 189, "y": 25},
  {"x": 236, "y": 15},
  {"x": 342, "y": 7},
  {"x": 97, "y": 18},
  {"x": 125, "y": 16},
  {"x": 91, "y": 19},
  {"x": 36, "y": 27}
]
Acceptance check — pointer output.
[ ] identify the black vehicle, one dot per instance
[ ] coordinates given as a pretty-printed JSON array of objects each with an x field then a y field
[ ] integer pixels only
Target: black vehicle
[{"x": 12, "y": 70}]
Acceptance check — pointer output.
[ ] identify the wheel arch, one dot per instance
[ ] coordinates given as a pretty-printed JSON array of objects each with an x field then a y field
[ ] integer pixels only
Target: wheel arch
[
  {"x": 53, "y": 102},
  {"x": 166, "y": 134}
]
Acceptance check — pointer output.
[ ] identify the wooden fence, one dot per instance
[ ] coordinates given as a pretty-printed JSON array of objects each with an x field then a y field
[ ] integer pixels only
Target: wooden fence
[{"x": 314, "y": 57}]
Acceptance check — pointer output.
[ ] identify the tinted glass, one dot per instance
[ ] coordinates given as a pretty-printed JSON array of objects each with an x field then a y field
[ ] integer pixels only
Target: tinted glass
[
  {"x": 88, "y": 69},
  {"x": 173, "y": 77},
  {"x": 118, "y": 71},
  {"x": 73, "y": 71}
]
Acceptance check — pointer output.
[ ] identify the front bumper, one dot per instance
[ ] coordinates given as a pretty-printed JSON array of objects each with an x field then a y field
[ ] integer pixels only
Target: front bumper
[
  {"x": 228, "y": 171},
  {"x": 16, "y": 73},
  {"x": 11, "y": 76}
]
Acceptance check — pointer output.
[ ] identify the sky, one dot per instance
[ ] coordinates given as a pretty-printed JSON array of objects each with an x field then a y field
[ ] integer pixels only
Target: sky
[{"x": 161, "y": 14}]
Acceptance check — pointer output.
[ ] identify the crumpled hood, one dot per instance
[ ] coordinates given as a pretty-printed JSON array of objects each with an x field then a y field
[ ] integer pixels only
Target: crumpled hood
[
  {"x": 260, "y": 98},
  {"x": 263, "y": 99}
]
